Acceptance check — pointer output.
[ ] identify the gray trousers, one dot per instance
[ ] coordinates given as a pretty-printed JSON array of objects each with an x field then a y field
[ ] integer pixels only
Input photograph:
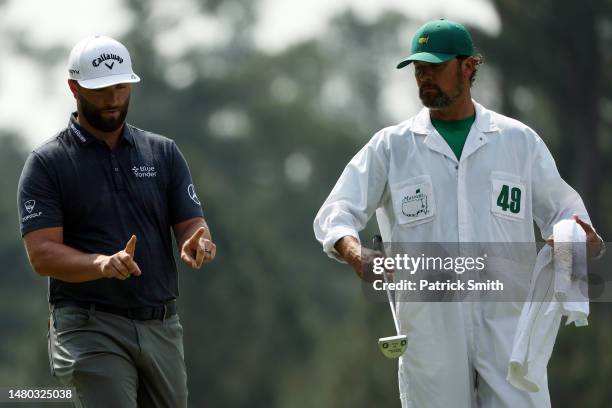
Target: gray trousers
[{"x": 116, "y": 362}]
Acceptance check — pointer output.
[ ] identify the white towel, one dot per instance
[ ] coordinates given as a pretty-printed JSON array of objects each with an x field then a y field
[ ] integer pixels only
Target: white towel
[
  {"x": 571, "y": 287},
  {"x": 558, "y": 288}
]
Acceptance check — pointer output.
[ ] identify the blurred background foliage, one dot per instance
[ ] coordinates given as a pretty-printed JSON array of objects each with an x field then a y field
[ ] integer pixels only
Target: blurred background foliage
[{"x": 274, "y": 322}]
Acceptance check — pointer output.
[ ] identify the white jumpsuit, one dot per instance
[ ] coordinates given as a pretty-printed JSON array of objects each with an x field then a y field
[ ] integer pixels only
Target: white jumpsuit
[{"x": 451, "y": 344}]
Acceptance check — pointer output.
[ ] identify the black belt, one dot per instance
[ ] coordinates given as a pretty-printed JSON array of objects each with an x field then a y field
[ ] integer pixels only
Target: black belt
[{"x": 137, "y": 313}]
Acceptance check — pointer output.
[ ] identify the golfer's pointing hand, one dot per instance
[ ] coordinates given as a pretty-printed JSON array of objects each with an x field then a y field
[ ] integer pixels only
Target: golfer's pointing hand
[
  {"x": 197, "y": 250},
  {"x": 120, "y": 265}
]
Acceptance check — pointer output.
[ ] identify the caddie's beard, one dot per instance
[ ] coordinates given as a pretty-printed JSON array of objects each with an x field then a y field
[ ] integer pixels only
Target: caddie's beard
[
  {"x": 438, "y": 99},
  {"x": 94, "y": 117}
]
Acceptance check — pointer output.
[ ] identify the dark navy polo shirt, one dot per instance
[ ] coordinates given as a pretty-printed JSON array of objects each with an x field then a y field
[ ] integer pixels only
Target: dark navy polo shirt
[{"x": 101, "y": 197}]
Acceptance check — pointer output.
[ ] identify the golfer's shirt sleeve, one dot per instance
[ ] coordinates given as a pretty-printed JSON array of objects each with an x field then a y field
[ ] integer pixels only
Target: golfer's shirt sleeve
[
  {"x": 38, "y": 197},
  {"x": 183, "y": 202}
]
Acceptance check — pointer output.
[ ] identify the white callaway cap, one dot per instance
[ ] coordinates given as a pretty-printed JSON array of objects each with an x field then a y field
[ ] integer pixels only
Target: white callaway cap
[{"x": 99, "y": 61}]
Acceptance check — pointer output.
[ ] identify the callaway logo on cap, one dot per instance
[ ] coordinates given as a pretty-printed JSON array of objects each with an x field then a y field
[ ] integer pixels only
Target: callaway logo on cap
[{"x": 99, "y": 61}]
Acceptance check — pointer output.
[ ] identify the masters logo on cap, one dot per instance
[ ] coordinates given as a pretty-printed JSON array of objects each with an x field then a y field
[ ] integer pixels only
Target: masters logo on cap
[
  {"x": 99, "y": 61},
  {"x": 439, "y": 41}
]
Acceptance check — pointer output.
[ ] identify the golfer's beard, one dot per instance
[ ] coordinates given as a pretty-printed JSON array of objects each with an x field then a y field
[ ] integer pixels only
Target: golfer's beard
[{"x": 94, "y": 117}]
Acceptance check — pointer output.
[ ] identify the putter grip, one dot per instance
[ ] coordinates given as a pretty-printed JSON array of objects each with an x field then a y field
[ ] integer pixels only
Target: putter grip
[{"x": 377, "y": 243}]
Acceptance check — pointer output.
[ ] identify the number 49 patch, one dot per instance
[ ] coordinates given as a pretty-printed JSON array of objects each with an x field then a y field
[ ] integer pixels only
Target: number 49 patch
[{"x": 508, "y": 198}]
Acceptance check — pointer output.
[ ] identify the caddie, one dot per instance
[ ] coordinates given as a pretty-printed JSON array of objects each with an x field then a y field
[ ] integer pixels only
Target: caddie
[{"x": 480, "y": 177}]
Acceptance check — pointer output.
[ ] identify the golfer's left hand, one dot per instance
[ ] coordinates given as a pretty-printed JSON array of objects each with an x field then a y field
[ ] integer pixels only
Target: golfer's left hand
[
  {"x": 593, "y": 240},
  {"x": 197, "y": 250}
]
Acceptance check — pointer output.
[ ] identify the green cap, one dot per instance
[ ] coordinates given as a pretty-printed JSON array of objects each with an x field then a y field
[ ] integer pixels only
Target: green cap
[{"x": 439, "y": 41}]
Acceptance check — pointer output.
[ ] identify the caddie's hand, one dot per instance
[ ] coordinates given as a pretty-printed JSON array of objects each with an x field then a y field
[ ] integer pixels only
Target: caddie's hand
[
  {"x": 197, "y": 250},
  {"x": 593, "y": 240},
  {"x": 366, "y": 269},
  {"x": 121, "y": 265},
  {"x": 360, "y": 258}
]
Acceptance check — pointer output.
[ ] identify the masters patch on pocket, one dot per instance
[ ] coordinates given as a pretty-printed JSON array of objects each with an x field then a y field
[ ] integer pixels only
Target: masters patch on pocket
[{"x": 413, "y": 200}]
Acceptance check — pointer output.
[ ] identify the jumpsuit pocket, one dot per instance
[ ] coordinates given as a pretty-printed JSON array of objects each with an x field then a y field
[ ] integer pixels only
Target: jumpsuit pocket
[
  {"x": 69, "y": 318},
  {"x": 413, "y": 201},
  {"x": 508, "y": 196}
]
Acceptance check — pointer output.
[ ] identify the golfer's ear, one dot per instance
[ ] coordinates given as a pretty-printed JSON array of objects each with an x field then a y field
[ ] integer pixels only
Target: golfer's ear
[{"x": 74, "y": 87}]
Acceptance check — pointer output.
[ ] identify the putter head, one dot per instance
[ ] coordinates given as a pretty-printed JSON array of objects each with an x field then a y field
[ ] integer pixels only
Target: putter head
[{"x": 394, "y": 346}]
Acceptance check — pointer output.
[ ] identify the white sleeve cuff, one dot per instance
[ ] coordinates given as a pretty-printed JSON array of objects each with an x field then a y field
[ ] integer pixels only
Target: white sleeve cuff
[{"x": 333, "y": 236}]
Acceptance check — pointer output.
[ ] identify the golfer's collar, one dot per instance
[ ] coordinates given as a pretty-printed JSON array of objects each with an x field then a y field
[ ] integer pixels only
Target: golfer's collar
[
  {"x": 484, "y": 121},
  {"x": 78, "y": 132},
  {"x": 126, "y": 134},
  {"x": 85, "y": 138}
]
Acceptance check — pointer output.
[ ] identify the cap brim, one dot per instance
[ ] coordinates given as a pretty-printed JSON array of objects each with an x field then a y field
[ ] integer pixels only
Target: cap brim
[
  {"x": 109, "y": 80},
  {"x": 433, "y": 58}
]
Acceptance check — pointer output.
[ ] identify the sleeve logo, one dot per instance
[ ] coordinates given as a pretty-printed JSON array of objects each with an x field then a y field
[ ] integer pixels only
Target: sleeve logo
[
  {"x": 192, "y": 194},
  {"x": 29, "y": 205}
]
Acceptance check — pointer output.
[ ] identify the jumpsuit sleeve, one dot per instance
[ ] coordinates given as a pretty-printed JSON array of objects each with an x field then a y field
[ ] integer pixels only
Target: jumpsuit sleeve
[
  {"x": 553, "y": 199},
  {"x": 354, "y": 198}
]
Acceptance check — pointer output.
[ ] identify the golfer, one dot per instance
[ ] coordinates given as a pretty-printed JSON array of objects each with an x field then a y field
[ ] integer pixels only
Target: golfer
[
  {"x": 455, "y": 172},
  {"x": 97, "y": 205}
]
